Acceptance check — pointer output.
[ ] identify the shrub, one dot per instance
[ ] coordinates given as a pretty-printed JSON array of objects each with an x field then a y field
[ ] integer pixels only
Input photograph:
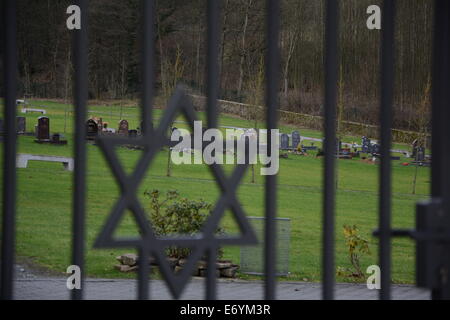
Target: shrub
[
  {"x": 357, "y": 246},
  {"x": 179, "y": 216}
]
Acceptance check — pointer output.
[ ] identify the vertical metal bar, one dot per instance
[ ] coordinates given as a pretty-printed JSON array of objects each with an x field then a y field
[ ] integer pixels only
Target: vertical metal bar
[
  {"x": 147, "y": 95},
  {"x": 143, "y": 272},
  {"x": 440, "y": 187},
  {"x": 148, "y": 64},
  {"x": 212, "y": 77},
  {"x": 387, "y": 93},
  {"x": 331, "y": 77},
  {"x": 80, "y": 97},
  {"x": 272, "y": 87},
  {"x": 212, "y": 85},
  {"x": 211, "y": 281},
  {"x": 438, "y": 57},
  {"x": 9, "y": 42}
]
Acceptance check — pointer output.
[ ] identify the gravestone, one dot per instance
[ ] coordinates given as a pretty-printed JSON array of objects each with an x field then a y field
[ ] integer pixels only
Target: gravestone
[
  {"x": 284, "y": 143},
  {"x": 365, "y": 144},
  {"x": 1, "y": 126},
  {"x": 339, "y": 146},
  {"x": 99, "y": 123},
  {"x": 375, "y": 149},
  {"x": 21, "y": 125},
  {"x": 173, "y": 143},
  {"x": 132, "y": 133},
  {"x": 123, "y": 128},
  {"x": 414, "y": 146},
  {"x": 92, "y": 129},
  {"x": 295, "y": 139},
  {"x": 56, "y": 138},
  {"x": 43, "y": 129},
  {"x": 420, "y": 154}
]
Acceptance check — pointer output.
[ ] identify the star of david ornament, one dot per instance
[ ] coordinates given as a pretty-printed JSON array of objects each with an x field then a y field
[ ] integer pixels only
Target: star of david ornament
[{"x": 206, "y": 240}]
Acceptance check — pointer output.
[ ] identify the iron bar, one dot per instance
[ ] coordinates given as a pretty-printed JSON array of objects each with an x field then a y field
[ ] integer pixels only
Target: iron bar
[
  {"x": 272, "y": 86},
  {"x": 331, "y": 77},
  {"x": 387, "y": 93},
  {"x": 80, "y": 99},
  {"x": 212, "y": 76},
  {"x": 143, "y": 273},
  {"x": 148, "y": 64},
  {"x": 9, "y": 42},
  {"x": 212, "y": 87},
  {"x": 440, "y": 174}
]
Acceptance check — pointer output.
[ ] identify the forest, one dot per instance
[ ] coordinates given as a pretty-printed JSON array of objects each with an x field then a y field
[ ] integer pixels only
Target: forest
[{"x": 45, "y": 62}]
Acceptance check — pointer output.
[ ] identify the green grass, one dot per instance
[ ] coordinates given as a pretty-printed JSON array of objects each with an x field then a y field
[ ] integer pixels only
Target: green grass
[{"x": 45, "y": 191}]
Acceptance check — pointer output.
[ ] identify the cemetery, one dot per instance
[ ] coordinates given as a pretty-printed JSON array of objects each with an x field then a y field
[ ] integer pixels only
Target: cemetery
[{"x": 44, "y": 193}]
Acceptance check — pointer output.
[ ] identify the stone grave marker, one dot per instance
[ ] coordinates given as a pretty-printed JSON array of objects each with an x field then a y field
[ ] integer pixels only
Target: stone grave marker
[
  {"x": 132, "y": 133},
  {"x": 284, "y": 141},
  {"x": 21, "y": 125},
  {"x": 43, "y": 129},
  {"x": 92, "y": 129},
  {"x": 414, "y": 146},
  {"x": 420, "y": 154},
  {"x": 123, "y": 128},
  {"x": 56, "y": 138},
  {"x": 375, "y": 149},
  {"x": 295, "y": 139},
  {"x": 365, "y": 144},
  {"x": 1, "y": 126}
]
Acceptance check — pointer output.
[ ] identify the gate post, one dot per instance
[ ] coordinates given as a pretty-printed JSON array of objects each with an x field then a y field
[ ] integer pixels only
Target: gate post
[{"x": 433, "y": 216}]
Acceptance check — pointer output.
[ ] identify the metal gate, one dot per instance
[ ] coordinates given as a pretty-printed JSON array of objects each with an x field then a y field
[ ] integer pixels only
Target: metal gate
[{"x": 433, "y": 217}]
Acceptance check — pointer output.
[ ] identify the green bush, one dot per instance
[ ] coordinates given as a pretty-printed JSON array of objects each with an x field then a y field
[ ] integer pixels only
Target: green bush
[
  {"x": 175, "y": 215},
  {"x": 357, "y": 246}
]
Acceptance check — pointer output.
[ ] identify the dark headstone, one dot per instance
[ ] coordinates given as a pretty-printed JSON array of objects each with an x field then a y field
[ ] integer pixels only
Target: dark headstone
[
  {"x": 132, "y": 133},
  {"x": 284, "y": 141},
  {"x": 99, "y": 123},
  {"x": 123, "y": 128},
  {"x": 295, "y": 139},
  {"x": 375, "y": 149},
  {"x": 21, "y": 125},
  {"x": 56, "y": 138},
  {"x": 92, "y": 129},
  {"x": 339, "y": 146},
  {"x": 1, "y": 126},
  {"x": 43, "y": 129},
  {"x": 420, "y": 154},
  {"x": 414, "y": 146},
  {"x": 365, "y": 144}
]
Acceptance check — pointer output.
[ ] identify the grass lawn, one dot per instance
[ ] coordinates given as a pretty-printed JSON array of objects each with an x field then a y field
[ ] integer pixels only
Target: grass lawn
[{"x": 45, "y": 191}]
